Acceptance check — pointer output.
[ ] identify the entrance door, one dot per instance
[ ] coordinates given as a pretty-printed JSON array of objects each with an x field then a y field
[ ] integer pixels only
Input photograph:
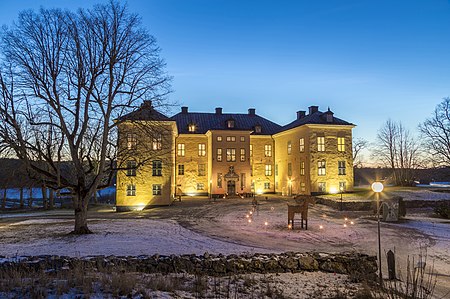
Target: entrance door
[{"x": 231, "y": 187}]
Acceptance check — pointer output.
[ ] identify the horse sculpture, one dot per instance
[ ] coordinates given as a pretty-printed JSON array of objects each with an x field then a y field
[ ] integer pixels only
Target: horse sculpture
[{"x": 300, "y": 206}]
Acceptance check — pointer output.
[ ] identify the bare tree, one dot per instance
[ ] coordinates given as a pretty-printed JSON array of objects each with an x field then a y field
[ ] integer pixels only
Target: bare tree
[
  {"x": 435, "y": 133},
  {"x": 65, "y": 82},
  {"x": 359, "y": 144},
  {"x": 397, "y": 148}
]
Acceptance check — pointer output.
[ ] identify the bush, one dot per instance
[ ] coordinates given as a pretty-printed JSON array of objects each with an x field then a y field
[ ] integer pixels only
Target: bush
[{"x": 443, "y": 210}]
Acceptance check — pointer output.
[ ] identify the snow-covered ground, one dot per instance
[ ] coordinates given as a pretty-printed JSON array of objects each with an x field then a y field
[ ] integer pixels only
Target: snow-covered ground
[{"x": 197, "y": 225}]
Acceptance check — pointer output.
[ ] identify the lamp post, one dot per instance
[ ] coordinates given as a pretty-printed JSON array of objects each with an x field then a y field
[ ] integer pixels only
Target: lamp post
[{"x": 378, "y": 187}]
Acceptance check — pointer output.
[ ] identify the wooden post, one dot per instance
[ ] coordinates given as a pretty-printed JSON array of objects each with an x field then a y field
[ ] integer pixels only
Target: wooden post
[{"x": 391, "y": 264}]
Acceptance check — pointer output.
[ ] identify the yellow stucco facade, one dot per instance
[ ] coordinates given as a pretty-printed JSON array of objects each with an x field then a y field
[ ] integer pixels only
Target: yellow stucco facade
[{"x": 219, "y": 155}]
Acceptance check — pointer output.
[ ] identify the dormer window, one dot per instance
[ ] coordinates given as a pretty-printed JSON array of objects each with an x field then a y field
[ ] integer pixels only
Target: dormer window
[
  {"x": 192, "y": 128},
  {"x": 230, "y": 123},
  {"x": 257, "y": 129}
]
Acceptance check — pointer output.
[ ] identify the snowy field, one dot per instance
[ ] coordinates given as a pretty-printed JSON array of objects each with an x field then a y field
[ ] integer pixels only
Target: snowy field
[{"x": 197, "y": 225}]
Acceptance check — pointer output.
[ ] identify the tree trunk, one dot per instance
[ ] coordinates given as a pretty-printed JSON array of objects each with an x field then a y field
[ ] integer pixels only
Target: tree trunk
[
  {"x": 4, "y": 199},
  {"x": 44, "y": 197},
  {"x": 30, "y": 197},
  {"x": 21, "y": 198},
  {"x": 81, "y": 205},
  {"x": 51, "y": 199}
]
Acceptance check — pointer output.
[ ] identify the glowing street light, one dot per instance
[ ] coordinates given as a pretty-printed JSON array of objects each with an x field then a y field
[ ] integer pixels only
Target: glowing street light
[{"x": 378, "y": 187}]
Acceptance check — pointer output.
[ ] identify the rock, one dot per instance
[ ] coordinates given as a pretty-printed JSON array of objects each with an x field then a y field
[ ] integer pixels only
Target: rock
[{"x": 308, "y": 263}]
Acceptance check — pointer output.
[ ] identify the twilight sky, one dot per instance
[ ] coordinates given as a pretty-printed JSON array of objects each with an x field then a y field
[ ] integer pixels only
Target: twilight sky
[{"x": 367, "y": 60}]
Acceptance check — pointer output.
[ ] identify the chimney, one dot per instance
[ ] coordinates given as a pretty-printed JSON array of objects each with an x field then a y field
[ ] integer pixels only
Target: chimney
[
  {"x": 251, "y": 111},
  {"x": 313, "y": 109},
  {"x": 300, "y": 114},
  {"x": 146, "y": 104},
  {"x": 218, "y": 110},
  {"x": 184, "y": 110}
]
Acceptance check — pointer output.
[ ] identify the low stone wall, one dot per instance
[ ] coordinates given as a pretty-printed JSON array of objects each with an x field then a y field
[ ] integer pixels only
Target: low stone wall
[{"x": 354, "y": 264}]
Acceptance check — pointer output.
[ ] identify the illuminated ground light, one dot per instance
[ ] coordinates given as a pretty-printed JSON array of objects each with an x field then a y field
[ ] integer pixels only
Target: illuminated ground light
[
  {"x": 249, "y": 221},
  {"x": 320, "y": 226},
  {"x": 272, "y": 208},
  {"x": 251, "y": 212},
  {"x": 345, "y": 224},
  {"x": 351, "y": 222},
  {"x": 247, "y": 215},
  {"x": 140, "y": 207},
  {"x": 266, "y": 223},
  {"x": 289, "y": 226},
  {"x": 346, "y": 219}
]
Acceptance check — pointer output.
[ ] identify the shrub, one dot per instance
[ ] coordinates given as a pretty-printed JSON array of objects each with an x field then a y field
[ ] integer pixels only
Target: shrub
[{"x": 443, "y": 210}]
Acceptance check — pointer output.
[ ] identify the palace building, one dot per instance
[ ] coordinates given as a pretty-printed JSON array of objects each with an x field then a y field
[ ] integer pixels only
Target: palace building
[{"x": 224, "y": 154}]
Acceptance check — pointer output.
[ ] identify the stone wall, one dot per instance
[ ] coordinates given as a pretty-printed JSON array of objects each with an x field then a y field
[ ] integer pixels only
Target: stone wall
[{"x": 354, "y": 264}]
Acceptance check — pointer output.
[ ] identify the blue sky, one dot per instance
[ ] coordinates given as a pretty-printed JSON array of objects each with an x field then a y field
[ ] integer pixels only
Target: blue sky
[{"x": 367, "y": 60}]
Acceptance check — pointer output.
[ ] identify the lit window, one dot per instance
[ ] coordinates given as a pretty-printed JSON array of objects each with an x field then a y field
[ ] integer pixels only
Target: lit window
[
  {"x": 267, "y": 150},
  {"x": 202, "y": 149},
  {"x": 302, "y": 168},
  {"x": 341, "y": 144},
  {"x": 289, "y": 147},
  {"x": 131, "y": 141},
  {"x": 181, "y": 169},
  {"x": 251, "y": 150},
  {"x": 230, "y": 123},
  {"x": 131, "y": 190},
  {"x": 156, "y": 168},
  {"x": 242, "y": 139},
  {"x": 302, "y": 145},
  {"x": 219, "y": 138},
  {"x": 267, "y": 185},
  {"x": 156, "y": 189},
  {"x": 321, "y": 144},
  {"x": 242, "y": 154},
  {"x": 200, "y": 186},
  {"x": 321, "y": 167},
  {"x": 341, "y": 167},
  {"x": 219, "y": 180},
  {"x": 131, "y": 168},
  {"x": 201, "y": 169},
  {"x": 231, "y": 154},
  {"x": 276, "y": 169},
  {"x": 231, "y": 138},
  {"x": 181, "y": 149},
  {"x": 303, "y": 187},
  {"x": 289, "y": 169},
  {"x": 157, "y": 142},
  {"x": 268, "y": 170},
  {"x": 191, "y": 128},
  {"x": 322, "y": 187},
  {"x": 219, "y": 155}
]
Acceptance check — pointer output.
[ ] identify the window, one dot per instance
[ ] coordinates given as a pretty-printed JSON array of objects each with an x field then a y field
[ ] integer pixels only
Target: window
[
  {"x": 341, "y": 144},
  {"x": 302, "y": 186},
  {"x": 341, "y": 167},
  {"x": 180, "y": 169},
  {"x": 231, "y": 138},
  {"x": 302, "y": 167},
  {"x": 200, "y": 186},
  {"x": 231, "y": 154},
  {"x": 267, "y": 185},
  {"x": 202, "y": 149},
  {"x": 131, "y": 141},
  {"x": 181, "y": 149},
  {"x": 219, "y": 180},
  {"x": 242, "y": 181},
  {"x": 267, "y": 150},
  {"x": 322, "y": 187},
  {"x": 131, "y": 190},
  {"x": 191, "y": 128},
  {"x": 268, "y": 170},
  {"x": 342, "y": 186},
  {"x": 289, "y": 147},
  {"x": 251, "y": 150},
  {"x": 302, "y": 145},
  {"x": 321, "y": 144},
  {"x": 242, "y": 154},
  {"x": 321, "y": 168},
  {"x": 157, "y": 142},
  {"x": 230, "y": 123},
  {"x": 131, "y": 168},
  {"x": 257, "y": 129},
  {"x": 156, "y": 188},
  {"x": 201, "y": 169},
  {"x": 289, "y": 169},
  {"x": 219, "y": 155},
  {"x": 242, "y": 138},
  {"x": 276, "y": 169},
  {"x": 219, "y": 138},
  {"x": 157, "y": 168}
]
